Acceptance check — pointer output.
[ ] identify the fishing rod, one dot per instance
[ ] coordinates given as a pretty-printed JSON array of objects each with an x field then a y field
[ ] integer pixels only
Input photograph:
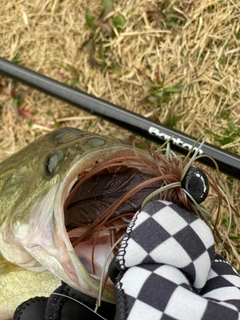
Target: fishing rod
[{"x": 228, "y": 162}]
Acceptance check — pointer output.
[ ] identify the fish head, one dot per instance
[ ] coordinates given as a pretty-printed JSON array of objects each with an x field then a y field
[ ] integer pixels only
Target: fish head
[{"x": 36, "y": 184}]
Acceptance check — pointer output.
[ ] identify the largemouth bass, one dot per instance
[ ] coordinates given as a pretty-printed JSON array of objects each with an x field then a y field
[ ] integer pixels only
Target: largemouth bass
[{"x": 41, "y": 218}]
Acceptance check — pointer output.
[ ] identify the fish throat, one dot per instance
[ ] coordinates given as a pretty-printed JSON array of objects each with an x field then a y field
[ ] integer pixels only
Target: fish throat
[{"x": 101, "y": 204}]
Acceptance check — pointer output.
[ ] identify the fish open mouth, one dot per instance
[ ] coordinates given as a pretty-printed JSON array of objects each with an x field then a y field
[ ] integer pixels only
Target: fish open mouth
[
  {"x": 100, "y": 206},
  {"x": 100, "y": 195}
]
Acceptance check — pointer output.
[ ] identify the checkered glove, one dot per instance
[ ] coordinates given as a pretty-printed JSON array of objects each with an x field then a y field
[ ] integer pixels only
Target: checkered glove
[{"x": 168, "y": 270}]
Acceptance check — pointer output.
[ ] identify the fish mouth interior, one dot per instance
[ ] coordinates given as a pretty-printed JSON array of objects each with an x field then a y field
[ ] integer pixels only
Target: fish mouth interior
[{"x": 94, "y": 220}]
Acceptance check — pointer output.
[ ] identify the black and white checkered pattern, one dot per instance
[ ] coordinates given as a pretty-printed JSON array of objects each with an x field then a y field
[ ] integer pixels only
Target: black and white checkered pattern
[
  {"x": 223, "y": 283},
  {"x": 162, "y": 228},
  {"x": 168, "y": 269}
]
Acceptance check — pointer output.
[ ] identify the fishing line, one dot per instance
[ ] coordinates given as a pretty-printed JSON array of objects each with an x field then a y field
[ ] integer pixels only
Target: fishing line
[
  {"x": 53, "y": 293},
  {"x": 79, "y": 302},
  {"x": 98, "y": 303}
]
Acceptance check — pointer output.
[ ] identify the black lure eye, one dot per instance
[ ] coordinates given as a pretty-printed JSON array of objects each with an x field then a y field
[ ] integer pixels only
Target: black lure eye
[
  {"x": 51, "y": 164},
  {"x": 196, "y": 184}
]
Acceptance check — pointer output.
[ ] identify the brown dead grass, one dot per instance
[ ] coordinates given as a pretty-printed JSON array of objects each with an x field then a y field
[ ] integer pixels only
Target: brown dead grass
[{"x": 192, "y": 44}]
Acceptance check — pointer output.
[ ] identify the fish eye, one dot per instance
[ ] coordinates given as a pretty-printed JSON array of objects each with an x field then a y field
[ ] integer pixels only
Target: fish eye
[
  {"x": 196, "y": 184},
  {"x": 51, "y": 164}
]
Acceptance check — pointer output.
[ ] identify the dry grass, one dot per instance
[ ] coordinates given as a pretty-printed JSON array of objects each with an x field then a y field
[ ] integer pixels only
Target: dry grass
[{"x": 191, "y": 47}]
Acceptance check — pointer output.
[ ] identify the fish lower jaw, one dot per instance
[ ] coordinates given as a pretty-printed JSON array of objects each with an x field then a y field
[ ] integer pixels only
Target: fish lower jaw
[{"x": 84, "y": 282}]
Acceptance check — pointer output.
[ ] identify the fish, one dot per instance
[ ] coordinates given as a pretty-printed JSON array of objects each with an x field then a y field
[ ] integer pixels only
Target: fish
[{"x": 45, "y": 208}]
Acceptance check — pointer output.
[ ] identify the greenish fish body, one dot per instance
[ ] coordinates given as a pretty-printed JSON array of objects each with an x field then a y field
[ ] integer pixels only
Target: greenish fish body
[{"x": 34, "y": 184}]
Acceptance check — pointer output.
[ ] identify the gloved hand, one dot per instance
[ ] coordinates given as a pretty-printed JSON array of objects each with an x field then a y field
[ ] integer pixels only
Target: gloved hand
[{"x": 166, "y": 268}]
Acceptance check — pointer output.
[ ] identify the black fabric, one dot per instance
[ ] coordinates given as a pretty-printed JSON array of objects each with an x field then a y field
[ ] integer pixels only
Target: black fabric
[
  {"x": 32, "y": 309},
  {"x": 113, "y": 270},
  {"x": 62, "y": 307},
  {"x": 65, "y": 303}
]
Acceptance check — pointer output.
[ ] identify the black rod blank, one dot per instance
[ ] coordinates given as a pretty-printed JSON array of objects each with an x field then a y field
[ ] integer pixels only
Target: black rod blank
[{"x": 228, "y": 162}]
